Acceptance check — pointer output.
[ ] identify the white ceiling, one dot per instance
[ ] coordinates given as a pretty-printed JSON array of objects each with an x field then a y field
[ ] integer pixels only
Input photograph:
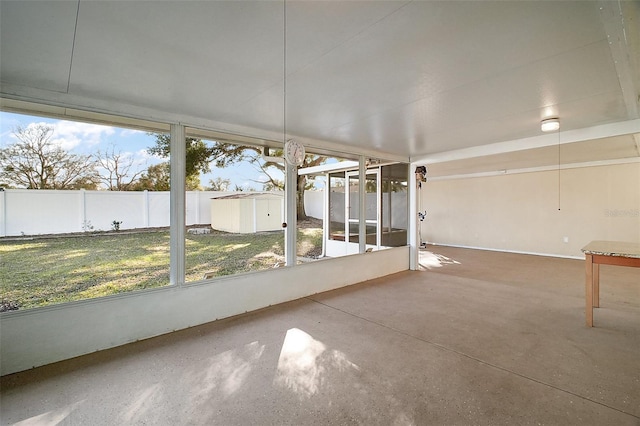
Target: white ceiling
[{"x": 409, "y": 79}]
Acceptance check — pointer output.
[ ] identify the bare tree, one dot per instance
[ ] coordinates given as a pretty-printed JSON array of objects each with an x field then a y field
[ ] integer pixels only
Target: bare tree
[
  {"x": 35, "y": 162},
  {"x": 116, "y": 169}
]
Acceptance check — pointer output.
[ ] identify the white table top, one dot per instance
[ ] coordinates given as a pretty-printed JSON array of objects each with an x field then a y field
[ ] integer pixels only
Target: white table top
[{"x": 612, "y": 248}]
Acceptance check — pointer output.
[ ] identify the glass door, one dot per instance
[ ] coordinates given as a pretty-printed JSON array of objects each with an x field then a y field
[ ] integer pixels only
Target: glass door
[{"x": 371, "y": 187}]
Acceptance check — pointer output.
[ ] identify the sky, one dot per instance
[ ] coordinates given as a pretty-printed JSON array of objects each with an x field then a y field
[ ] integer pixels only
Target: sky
[{"x": 88, "y": 138}]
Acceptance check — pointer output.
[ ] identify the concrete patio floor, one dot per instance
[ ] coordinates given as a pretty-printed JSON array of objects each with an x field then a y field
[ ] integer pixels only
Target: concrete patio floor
[{"x": 475, "y": 337}]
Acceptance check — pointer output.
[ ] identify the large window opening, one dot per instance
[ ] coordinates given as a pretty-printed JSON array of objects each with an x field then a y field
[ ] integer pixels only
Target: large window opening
[
  {"x": 235, "y": 223},
  {"x": 85, "y": 210},
  {"x": 96, "y": 211}
]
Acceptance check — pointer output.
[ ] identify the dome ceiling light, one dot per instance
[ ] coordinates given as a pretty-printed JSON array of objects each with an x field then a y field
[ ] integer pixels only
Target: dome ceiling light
[{"x": 550, "y": 124}]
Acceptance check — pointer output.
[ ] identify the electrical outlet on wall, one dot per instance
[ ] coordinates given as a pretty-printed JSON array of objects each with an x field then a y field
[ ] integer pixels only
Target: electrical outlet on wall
[{"x": 565, "y": 239}]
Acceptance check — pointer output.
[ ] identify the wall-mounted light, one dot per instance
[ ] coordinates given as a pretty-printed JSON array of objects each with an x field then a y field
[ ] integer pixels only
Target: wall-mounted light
[
  {"x": 550, "y": 124},
  {"x": 421, "y": 175}
]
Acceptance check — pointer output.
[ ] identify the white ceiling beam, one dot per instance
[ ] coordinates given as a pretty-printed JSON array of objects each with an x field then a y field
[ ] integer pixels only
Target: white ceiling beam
[
  {"x": 550, "y": 139},
  {"x": 538, "y": 169},
  {"x": 63, "y": 105}
]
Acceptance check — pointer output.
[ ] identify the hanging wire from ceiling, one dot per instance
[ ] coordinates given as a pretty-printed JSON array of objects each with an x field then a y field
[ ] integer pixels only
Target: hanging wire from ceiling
[
  {"x": 73, "y": 47},
  {"x": 558, "y": 133},
  {"x": 549, "y": 125}
]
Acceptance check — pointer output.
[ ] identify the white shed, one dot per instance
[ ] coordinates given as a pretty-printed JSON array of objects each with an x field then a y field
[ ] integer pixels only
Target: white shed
[{"x": 249, "y": 212}]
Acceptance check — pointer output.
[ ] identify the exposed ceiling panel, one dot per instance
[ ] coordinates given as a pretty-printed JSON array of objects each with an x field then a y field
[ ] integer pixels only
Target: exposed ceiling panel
[
  {"x": 188, "y": 56},
  {"x": 406, "y": 78},
  {"x": 36, "y": 43}
]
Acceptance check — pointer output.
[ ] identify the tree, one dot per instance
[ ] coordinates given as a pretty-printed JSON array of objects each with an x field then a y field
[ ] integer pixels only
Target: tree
[
  {"x": 193, "y": 183},
  {"x": 116, "y": 174},
  {"x": 218, "y": 184},
  {"x": 35, "y": 162},
  {"x": 158, "y": 178},
  {"x": 273, "y": 185},
  {"x": 302, "y": 182},
  {"x": 200, "y": 155}
]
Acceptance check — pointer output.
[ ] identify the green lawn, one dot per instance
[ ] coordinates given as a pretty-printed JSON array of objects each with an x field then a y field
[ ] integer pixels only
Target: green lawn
[{"x": 44, "y": 271}]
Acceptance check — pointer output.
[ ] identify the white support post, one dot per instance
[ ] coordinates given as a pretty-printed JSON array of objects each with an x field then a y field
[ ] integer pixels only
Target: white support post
[
  {"x": 379, "y": 203},
  {"x": 326, "y": 214},
  {"x": 362, "y": 203},
  {"x": 413, "y": 219},
  {"x": 291, "y": 190},
  {"x": 177, "y": 202}
]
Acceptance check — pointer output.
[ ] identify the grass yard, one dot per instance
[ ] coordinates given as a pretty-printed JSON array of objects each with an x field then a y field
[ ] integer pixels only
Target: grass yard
[{"x": 45, "y": 271}]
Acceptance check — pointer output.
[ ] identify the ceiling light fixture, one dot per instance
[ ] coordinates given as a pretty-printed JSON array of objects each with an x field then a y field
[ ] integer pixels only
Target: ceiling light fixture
[{"x": 550, "y": 124}]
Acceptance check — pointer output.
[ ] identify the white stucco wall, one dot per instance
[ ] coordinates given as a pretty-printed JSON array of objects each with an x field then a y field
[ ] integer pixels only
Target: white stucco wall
[{"x": 525, "y": 212}]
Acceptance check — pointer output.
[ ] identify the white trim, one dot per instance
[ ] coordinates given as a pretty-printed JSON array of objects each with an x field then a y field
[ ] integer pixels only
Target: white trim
[
  {"x": 538, "y": 169},
  {"x": 551, "y": 139},
  {"x": 412, "y": 220},
  {"x": 326, "y": 215},
  {"x": 177, "y": 209},
  {"x": 75, "y": 107},
  {"x": 505, "y": 251},
  {"x": 290, "y": 211},
  {"x": 329, "y": 168},
  {"x": 362, "y": 206},
  {"x": 66, "y": 113}
]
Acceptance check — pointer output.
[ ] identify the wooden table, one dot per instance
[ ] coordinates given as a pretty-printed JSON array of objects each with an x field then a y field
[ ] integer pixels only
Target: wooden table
[{"x": 605, "y": 253}]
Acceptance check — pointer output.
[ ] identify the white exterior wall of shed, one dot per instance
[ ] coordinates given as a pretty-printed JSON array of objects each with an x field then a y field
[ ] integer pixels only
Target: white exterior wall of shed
[
  {"x": 225, "y": 215},
  {"x": 247, "y": 215}
]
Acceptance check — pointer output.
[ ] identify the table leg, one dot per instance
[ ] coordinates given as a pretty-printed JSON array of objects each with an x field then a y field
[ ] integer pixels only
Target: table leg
[
  {"x": 589, "y": 289},
  {"x": 596, "y": 285}
]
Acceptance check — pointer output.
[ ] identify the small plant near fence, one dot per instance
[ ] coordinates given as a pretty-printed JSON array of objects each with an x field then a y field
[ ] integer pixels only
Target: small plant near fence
[
  {"x": 115, "y": 225},
  {"x": 8, "y": 305},
  {"x": 87, "y": 226}
]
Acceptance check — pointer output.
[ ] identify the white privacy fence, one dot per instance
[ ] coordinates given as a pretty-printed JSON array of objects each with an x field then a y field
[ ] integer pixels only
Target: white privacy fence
[{"x": 35, "y": 212}]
